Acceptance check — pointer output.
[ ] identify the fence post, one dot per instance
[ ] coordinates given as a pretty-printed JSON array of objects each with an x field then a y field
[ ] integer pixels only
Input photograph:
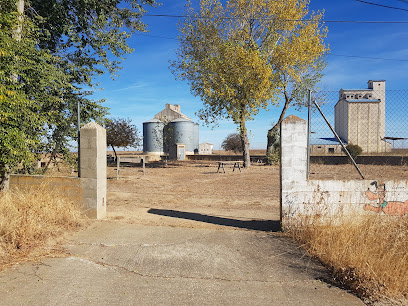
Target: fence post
[
  {"x": 93, "y": 169},
  {"x": 293, "y": 166}
]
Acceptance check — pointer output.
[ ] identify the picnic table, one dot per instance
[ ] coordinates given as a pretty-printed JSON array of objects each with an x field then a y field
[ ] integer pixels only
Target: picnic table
[{"x": 222, "y": 164}]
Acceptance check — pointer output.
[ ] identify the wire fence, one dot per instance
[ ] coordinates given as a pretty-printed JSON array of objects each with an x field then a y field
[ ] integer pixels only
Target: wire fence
[{"x": 372, "y": 123}]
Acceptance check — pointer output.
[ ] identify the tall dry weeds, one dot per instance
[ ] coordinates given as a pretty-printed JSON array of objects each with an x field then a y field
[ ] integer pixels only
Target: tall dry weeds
[
  {"x": 31, "y": 218},
  {"x": 368, "y": 254}
]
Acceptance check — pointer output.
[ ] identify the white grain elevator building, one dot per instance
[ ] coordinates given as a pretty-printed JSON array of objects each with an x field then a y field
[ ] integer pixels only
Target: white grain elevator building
[{"x": 360, "y": 117}]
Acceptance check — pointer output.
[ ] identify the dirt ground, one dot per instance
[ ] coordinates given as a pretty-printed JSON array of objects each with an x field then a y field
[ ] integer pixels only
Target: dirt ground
[
  {"x": 348, "y": 172},
  {"x": 195, "y": 195}
]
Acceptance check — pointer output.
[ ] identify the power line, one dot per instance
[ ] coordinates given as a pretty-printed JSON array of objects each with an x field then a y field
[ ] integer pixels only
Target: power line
[
  {"x": 330, "y": 54},
  {"x": 288, "y": 20},
  {"x": 371, "y": 58},
  {"x": 386, "y": 6}
]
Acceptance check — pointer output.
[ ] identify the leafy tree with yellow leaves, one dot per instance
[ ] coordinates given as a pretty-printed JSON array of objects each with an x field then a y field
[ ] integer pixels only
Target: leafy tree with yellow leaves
[{"x": 248, "y": 54}]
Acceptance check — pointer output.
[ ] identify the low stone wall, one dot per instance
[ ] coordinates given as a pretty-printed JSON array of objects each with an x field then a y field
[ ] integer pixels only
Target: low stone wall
[
  {"x": 90, "y": 189},
  {"x": 66, "y": 186},
  {"x": 302, "y": 200}
]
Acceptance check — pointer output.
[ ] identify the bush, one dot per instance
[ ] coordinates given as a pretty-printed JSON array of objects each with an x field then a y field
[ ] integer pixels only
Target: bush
[
  {"x": 273, "y": 157},
  {"x": 354, "y": 150}
]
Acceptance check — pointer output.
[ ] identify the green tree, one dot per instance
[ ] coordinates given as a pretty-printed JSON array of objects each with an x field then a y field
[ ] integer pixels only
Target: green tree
[
  {"x": 22, "y": 116},
  {"x": 48, "y": 55},
  {"x": 237, "y": 58},
  {"x": 232, "y": 143},
  {"x": 120, "y": 132},
  {"x": 273, "y": 154},
  {"x": 90, "y": 37}
]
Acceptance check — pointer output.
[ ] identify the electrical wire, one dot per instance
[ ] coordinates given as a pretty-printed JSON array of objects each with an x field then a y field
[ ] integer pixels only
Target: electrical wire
[
  {"x": 330, "y": 54},
  {"x": 288, "y": 20},
  {"x": 371, "y": 58},
  {"x": 382, "y": 5}
]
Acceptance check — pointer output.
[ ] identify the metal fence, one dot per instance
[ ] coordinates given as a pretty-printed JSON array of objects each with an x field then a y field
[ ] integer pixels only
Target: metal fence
[{"x": 373, "y": 119}]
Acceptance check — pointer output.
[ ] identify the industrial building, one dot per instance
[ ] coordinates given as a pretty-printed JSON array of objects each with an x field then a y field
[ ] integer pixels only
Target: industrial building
[
  {"x": 170, "y": 131},
  {"x": 359, "y": 117}
]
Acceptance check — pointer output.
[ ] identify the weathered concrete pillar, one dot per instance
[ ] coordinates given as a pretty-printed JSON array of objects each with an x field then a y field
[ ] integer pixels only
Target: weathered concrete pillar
[
  {"x": 293, "y": 165},
  {"x": 93, "y": 169}
]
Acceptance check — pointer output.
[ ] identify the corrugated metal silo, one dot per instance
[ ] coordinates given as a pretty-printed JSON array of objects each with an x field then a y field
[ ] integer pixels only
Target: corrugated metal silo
[
  {"x": 183, "y": 130},
  {"x": 153, "y": 137},
  {"x": 196, "y": 138}
]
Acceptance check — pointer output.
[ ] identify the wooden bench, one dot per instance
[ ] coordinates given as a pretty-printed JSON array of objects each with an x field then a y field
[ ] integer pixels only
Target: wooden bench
[{"x": 222, "y": 164}]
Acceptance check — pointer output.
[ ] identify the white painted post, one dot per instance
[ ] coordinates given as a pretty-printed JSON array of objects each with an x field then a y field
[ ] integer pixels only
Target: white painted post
[
  {"x": 293, "y": 166},
  {"x": 93, "y": 169}
]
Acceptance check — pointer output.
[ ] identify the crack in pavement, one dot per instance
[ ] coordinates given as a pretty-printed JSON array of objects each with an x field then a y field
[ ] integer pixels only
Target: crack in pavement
[{"x": 117, "y": 267}]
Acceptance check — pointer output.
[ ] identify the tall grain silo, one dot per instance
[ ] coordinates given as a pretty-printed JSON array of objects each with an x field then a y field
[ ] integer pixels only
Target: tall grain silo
[
  {"x": 153, "y": 137},
  {"x": 196, "y": 138},
  {"x": 183, "y": 131}
]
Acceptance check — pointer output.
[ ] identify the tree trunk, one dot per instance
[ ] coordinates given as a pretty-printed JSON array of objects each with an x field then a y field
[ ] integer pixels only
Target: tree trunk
[
  {"x": 114, "y": 151},
  {"x": 245, "y": 143},
  {"x": 270, "y": 139},
  {"x": 4, "y": 178},
  {"x": 4, "y": 169}
]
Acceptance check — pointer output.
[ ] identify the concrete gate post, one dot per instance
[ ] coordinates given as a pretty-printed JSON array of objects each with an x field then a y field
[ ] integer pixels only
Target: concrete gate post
[
  {"x": 293, "y": 167},
  {"x": 93, "y": 169}
]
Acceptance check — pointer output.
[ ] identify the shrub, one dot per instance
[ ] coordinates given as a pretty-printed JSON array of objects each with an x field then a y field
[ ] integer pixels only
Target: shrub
[
  {"x": 273, "y": 157},
  {"x": 354, "y": 150}
]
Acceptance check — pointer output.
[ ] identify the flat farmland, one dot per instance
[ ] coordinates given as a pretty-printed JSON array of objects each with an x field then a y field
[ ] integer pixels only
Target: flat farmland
[{"x": 195, "y": 195}]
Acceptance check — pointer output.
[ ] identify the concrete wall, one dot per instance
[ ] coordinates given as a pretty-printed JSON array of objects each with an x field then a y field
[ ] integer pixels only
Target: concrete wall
[
  {"x": 341, "y": 119},
  {"x": 302, "y": 199},
  {"x": 90, "y": 189},
  {"x": 67, "y": 186}
]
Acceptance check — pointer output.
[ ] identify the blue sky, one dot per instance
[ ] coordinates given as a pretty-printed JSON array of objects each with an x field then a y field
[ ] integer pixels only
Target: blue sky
[{"x": 145, "y": 84}]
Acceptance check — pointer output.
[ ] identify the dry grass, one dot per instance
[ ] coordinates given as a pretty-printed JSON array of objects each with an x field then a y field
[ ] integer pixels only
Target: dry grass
[
  {"x": 367, "y": 254},
  {"x": 30, "y": 220}
]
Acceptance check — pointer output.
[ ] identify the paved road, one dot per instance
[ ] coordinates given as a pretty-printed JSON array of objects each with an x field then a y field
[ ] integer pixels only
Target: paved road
[{"x": 114, "y": 263}]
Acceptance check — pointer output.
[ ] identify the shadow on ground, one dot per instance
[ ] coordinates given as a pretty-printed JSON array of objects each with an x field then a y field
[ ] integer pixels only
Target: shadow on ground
[{"x": 258, "y": 225}]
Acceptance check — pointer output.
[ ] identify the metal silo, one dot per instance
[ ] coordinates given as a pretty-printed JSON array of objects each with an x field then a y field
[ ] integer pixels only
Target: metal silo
[
  {"x": 153, "y": 137},
  {"x": 196, "y": 138},
  {"x": 183, "y": 131}
]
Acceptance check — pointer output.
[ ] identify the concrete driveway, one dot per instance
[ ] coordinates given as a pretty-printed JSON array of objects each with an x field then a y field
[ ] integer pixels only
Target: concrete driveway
[{"x": 117, "y": 263}]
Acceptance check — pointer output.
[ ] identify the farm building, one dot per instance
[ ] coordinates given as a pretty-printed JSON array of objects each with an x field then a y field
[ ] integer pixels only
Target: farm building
[
  {"x": 206, "y": 148},
  {"x": 359, "y": 119},
  {"x": 170, "y": 128}
]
